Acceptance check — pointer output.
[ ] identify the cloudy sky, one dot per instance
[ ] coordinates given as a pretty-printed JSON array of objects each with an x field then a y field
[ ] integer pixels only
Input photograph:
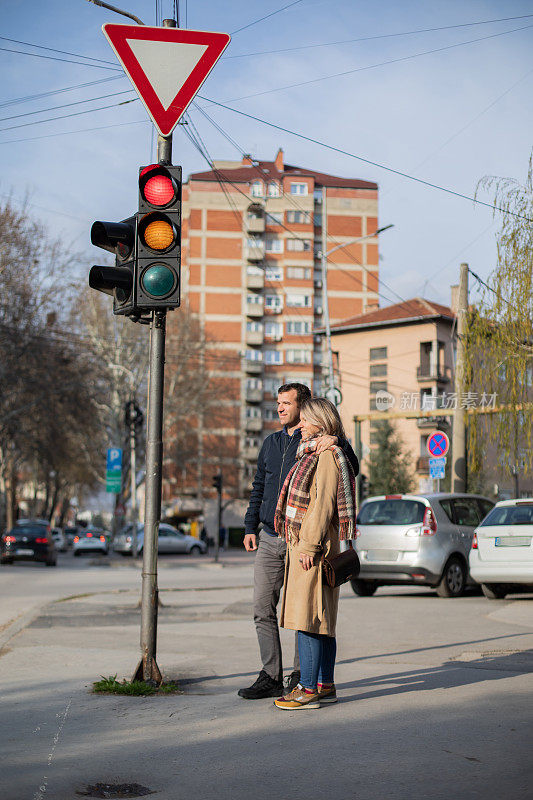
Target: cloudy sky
[{"x": 447, "y": 106}]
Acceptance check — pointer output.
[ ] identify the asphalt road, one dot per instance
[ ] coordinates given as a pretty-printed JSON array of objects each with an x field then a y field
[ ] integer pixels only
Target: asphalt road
[{"x": 435, "y": 694}]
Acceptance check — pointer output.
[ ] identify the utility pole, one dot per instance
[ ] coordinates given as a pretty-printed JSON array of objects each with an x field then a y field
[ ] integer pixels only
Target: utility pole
[
  {"x": 147, "y": 669},
  {"x": 217, "y": 483},
  {"x": 325, "y": 302},
  {"x": 358, "y": 450},
  {"x": 459, "y": 430}
]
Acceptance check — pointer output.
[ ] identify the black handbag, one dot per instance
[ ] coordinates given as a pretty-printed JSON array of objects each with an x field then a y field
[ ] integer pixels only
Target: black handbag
[{"x": 340, "y": 568}]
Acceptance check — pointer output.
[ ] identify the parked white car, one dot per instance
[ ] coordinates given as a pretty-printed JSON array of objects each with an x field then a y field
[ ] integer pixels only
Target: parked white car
[
  {"x": 90, "y": 540},
  {"x": 501, "y": 559},
  {"x": 60, "y": 540}
]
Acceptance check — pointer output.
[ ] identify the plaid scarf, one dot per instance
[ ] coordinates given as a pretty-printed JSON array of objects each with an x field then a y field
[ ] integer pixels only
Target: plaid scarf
[{"x": 295, "y": 493}]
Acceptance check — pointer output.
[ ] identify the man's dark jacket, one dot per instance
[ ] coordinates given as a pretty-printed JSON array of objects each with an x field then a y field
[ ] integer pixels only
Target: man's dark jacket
[{"x": 276, "y": 457}]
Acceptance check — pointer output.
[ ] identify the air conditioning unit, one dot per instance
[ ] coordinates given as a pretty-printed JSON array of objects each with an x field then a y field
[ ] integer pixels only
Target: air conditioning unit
[
  {"x": 318, "y": 310},
  {"x": 318, "y": 284},
  {"x": 318, "y": 339}
]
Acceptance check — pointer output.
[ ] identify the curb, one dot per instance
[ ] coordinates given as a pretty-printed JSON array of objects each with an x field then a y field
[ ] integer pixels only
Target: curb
[{"x": 18, "y": 624}]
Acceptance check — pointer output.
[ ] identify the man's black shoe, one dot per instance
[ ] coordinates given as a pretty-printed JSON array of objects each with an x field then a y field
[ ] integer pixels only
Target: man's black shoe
[
  {"x": 264, "y": 686},
  {"x": 292, "y": 681}
]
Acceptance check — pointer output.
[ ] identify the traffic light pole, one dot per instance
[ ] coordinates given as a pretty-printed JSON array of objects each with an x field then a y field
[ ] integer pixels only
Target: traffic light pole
[{"x": 219, "y": 516}]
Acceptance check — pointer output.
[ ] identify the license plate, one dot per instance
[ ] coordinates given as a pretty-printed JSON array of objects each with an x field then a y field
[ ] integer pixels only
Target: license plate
[
  {"x": 382, "y": 555},
  {"x": 512, "y": 541},
  {"x": 23, "y": 552}
]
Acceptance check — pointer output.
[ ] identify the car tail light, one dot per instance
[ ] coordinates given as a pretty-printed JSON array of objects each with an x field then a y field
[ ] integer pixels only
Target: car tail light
[
  {"x": 393, "y": 497},
  {"x": 9, "y": 539},
  {"x": 128, "y": 539},
  {"x": 89, "y": 535},
  {"x": 76, "y": 538},
  {"x": 102, "y": 538},
  {"x": 41, "y": 540},
  {"x": 357, "y": 532},
  {"x": 474, "y": 542},
  {"x": 429, "y": 523}
]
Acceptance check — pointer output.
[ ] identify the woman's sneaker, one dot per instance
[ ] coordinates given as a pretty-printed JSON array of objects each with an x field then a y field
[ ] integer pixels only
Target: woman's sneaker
[
  {"x": 298, "y": 699},
  {"x": 327, "y": 694}
]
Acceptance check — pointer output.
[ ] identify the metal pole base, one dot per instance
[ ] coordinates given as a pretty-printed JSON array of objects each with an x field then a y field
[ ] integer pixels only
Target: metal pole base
[{"x": 148, "y": 671}]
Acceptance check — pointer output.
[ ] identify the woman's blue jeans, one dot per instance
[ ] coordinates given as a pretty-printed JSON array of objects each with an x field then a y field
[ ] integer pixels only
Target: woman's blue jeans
[{"x": 317, "y": 658}]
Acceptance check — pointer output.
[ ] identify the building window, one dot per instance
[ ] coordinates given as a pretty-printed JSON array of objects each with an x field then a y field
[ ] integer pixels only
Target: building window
[
  {"x": 256, "y": 189},
  {"x": 273, "y": 273},
  {"x": 254, "y": 384},
  {"x": 378, "y": 386},
  {"x": 254, "y": 299},
  {"x": 298, "y": 379},
  {"x": 378, "y": 353},
  {"x": 273, "y": 330},
  {"x": 300, "y": 217},
  {"x": 299, "y": 245},
  {"x": 253, "y": 355},
  {"x": 299, "y": 328},
  {"x": 251, "y": 442},
  {"x": 271, "y": 386},
  {"x": 318, "y": 358},
  {"x": 274, "y": 218},
  {"x": 299, "y": 273},
  {"x": 274, "y": 189},
  {"x": 298, "y": 300},
  {"x": 273, "y": 357},
  {"x": 270, "y": 414},
  {"x": 252, "y": 412},
  {"x": 254, "y": 242},
  {"x": 317, "y": 220},
  {"x": 299, "y": 188},
  {"x": 273, "y": 301},
  {"x": 254, "y": 327},
  {"x": 273, "y": 244},
  {"x": 298, "y": 356},
  {"x": 378, "y": 370}
]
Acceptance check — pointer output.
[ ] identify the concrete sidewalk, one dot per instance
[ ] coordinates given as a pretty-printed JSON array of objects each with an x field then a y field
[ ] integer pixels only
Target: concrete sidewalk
[{"x": 435, "y": 701}]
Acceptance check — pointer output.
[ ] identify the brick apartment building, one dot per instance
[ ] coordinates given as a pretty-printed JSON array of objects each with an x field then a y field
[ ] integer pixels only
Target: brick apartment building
[{"x": 251, "y": 238}]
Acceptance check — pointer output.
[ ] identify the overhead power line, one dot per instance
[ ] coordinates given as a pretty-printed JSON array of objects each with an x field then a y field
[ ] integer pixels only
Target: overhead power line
[
  {"x": 379, "y": 36},
  {"x": 67, "y": 116},
  {"x": 374, "y": 66},
  {"x": 364, "y": 160},
  {"x": 30, "y": 97},
  {"x": 65, "y": 105},
  {"x": 267, "y": 16},
  {"x": 54, "y": 50},
  {"x": 55, "y": 58}
]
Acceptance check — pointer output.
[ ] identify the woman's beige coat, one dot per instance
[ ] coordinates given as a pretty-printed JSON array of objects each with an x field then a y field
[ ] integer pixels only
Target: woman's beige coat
[{"x": 307, "y": 604}]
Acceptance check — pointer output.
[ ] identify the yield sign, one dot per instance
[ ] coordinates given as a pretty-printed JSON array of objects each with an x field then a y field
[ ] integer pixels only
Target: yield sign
[{"x": 166, "y": 66}]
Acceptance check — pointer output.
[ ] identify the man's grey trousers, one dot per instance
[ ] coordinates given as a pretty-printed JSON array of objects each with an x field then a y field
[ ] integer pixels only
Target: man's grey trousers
[{"x": 269, "y": 572}]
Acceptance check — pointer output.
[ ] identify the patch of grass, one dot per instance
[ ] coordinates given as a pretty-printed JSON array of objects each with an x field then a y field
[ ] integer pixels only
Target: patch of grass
[{"x": 110, "y": 685}]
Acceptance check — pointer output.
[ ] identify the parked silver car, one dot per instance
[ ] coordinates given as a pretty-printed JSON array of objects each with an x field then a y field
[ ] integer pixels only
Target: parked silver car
[
  {"x": 417, "y": 539},
  {"x": 171, "y": 540}
]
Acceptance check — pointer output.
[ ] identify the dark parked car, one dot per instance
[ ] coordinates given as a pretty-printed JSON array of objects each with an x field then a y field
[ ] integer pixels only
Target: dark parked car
[{"x": 30, "y": 540}]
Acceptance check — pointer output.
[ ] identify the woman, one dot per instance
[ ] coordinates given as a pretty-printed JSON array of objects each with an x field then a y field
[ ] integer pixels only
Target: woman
[{"x": 316, "y": 509}]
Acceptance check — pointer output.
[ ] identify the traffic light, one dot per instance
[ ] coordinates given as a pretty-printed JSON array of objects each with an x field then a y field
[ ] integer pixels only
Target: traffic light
[
  {"x": 132, "y": 414},
  {"x": 217, "y": 482},
  {"x": 157, "y": 274},
  {"x": 118, "y": 281},
  {"x": 364, "y": 486}
]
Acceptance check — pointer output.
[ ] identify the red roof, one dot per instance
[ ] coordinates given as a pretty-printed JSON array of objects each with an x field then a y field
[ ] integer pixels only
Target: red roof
[
  {"x": 406, "y": 311},
  {"x": 268, "y": 171}
]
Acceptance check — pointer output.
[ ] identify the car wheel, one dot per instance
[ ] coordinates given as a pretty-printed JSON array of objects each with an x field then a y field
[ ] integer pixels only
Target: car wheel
[
  {"x": 195, "y": 550},
  {"x": 453, "y": 579},
  {"x": 364, "y": 588},
  {"x": 6, "y": 561},
  {"x": 76, "y": 552},
  {"x": 494, "y": 591}
]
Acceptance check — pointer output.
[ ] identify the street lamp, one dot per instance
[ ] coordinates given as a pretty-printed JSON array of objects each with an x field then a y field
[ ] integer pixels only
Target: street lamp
[{"x": 333, "y": 396}]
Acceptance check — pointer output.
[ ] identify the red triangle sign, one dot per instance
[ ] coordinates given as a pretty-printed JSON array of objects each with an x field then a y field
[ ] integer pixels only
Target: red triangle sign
[{"x": 167, "y": 66}]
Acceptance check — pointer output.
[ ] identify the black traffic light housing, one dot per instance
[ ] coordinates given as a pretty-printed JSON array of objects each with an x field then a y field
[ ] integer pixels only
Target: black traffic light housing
[
  {"x": 217, "y": 482},
  {"x": 364, "y": 486},
  {"x": 119, "y": 238},
  {"x": 158, "y": 236}
]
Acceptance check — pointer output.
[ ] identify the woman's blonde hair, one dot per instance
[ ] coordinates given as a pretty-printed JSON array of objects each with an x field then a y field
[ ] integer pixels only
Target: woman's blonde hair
[{"x": 320, "y": 412}]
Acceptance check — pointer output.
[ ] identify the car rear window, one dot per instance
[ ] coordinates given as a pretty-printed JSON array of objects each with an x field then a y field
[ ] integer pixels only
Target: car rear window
[
  {"x": 29, "y": 530},
  {"x": 509, "y": 515},
  {"x": 392, "y": 512}
]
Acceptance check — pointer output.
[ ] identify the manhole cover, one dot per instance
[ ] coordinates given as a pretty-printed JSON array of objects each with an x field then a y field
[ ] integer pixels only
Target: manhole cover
[{"x": 116, "y": 790}]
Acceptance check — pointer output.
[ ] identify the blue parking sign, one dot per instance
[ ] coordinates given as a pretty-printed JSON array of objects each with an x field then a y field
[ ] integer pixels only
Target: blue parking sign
[{"x": 114, "y": 459}]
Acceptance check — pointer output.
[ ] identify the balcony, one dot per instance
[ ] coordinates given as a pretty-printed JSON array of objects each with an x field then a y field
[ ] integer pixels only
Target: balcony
[
  {"x": 254, "y": 252},
  {"x": 255, "y": 280},
  {"x": 432, "y": 422},
  {"x": 422, "y": 465},
  {"x": 253, "y": 424},
  {"x": 253, "y": 395},
  {"x": 255, "y": 224},
  {"x": 250, "y": 453},
  {"x": 254, "y": 309},
  {"x": 254, "y": 338},
  {"x": 252, "y": 367},
  {"x": 425, "y": 372}
]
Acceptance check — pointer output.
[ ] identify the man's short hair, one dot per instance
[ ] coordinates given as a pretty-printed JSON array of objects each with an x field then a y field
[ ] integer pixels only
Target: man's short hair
[{"x": 303, "y": 392}]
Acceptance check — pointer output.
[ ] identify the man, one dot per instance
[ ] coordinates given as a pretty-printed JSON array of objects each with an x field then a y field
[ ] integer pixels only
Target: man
[{"x": 277, "y": 456}]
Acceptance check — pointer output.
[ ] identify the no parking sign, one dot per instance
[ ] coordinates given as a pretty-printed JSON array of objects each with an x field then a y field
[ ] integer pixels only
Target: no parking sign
[{"x": 438, "y": 444}]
